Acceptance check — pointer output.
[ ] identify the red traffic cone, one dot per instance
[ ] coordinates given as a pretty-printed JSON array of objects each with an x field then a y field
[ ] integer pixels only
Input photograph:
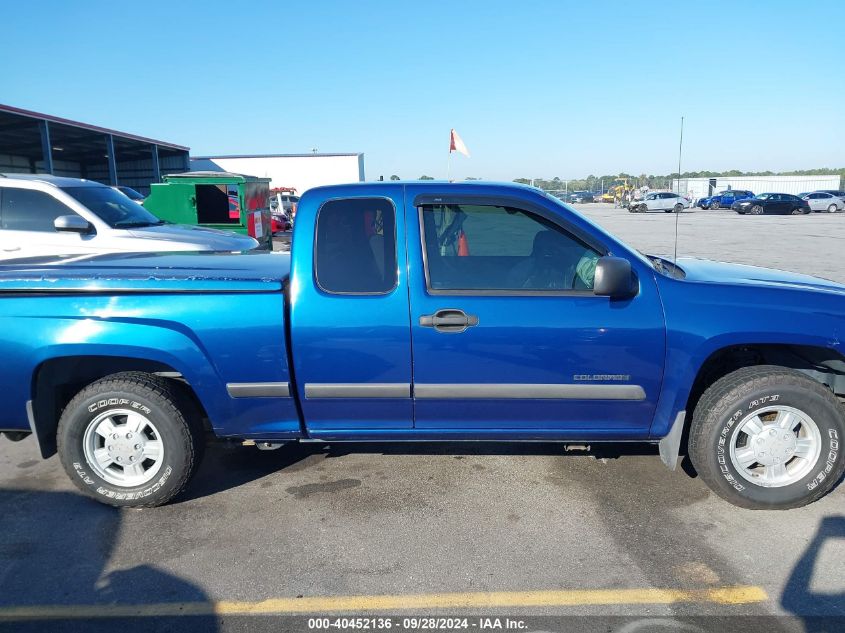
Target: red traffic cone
[{"x": 463, "y": 245}]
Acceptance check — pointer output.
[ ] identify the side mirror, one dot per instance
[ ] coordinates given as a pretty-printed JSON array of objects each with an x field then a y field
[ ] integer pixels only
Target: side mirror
[
  {"x": 614, "y": 278},
  {"x": 73, "y": 224}
]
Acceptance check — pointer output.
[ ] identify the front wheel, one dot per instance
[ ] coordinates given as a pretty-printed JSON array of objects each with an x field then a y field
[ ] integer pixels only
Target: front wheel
[
  {"x": 768, "y": 437},
  {"x": 714, "y": 205},
  {"x": 130, "y": 440},
  {"x": 832, "y": 209},
  {"x": 757, "y": 210}
]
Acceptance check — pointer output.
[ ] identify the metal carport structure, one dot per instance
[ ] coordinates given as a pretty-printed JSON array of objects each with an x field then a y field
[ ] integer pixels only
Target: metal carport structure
[{"x": 31, "y": 142}]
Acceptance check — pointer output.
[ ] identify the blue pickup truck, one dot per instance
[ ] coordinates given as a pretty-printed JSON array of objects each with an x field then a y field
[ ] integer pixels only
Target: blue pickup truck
[{"x": 425, "y": 311}]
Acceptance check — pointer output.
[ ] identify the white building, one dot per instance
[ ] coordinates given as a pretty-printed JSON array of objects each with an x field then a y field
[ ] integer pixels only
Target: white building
[
  {"x": 703, "y": 187},
  {"x": 300, "y": 171}
]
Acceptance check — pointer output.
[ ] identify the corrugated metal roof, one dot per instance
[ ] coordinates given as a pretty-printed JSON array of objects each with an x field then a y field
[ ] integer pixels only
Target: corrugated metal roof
[
  {"x": 311, "y": 155},
  {"x": 86, "y": 126}
]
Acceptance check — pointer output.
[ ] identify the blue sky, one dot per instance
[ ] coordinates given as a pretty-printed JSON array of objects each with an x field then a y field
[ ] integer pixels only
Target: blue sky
[{"x": 536, "y": 89}]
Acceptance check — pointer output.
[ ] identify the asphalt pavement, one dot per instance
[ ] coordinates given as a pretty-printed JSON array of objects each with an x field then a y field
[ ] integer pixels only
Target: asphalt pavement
[{"x": 414, "y": 529}]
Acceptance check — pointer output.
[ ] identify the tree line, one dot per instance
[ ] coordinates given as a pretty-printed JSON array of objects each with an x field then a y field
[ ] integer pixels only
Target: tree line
[{"x": 652, "y": 181}]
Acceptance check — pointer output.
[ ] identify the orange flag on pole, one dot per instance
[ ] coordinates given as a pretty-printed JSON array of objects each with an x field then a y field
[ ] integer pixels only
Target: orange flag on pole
[{"x": 456, "y": 144}]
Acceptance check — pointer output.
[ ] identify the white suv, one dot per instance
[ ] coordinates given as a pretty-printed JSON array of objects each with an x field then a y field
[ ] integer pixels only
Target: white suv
[
  {"x": 660, "y": 201},
  {"x": 49, "y": 215}
]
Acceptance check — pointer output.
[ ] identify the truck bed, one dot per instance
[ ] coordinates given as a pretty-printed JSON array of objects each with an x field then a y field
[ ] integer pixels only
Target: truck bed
[{"x": 147, "y": 273}]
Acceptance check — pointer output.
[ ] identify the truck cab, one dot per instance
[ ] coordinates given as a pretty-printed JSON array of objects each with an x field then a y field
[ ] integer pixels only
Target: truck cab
[{"x": 492, "y": 271}]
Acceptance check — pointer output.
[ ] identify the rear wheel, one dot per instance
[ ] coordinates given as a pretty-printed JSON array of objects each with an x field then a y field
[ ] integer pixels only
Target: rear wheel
[
  {"x": 768, "y": 437},
  {"x": 832, "y": 209},
  {"x": 129, "y": 440}
]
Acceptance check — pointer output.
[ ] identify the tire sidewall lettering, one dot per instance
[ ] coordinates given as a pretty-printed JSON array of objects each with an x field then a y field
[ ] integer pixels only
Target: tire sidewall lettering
[
  {"x": 829, "y": 460},
  {"x": 722, "y": 449},
  {"x": 139, "y": 494},
  {"x": 118, "y": 402}
]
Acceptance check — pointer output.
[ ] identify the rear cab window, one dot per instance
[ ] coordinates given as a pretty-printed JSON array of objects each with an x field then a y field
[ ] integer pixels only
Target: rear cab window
[{"x": 355, "y": 247}]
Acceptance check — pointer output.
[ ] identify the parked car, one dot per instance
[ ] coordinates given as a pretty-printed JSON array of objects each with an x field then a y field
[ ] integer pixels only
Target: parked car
[
  {"x": 581, "y": 197},
  {"x": 130, "y": 193},
  {"x": 660, "y": 201},
  {"x": 511, "y": 318},
  {"x": 725, "y": 199},
  {"x": 824, "y": 201},
  {"x": 772, "y": 203},
  {"x": 49, "y": 215}
]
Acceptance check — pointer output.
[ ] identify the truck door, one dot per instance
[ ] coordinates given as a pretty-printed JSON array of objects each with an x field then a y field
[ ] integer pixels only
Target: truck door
[
  {"x": 507, "y": 333},
  {"x": 350, "y": 329}
]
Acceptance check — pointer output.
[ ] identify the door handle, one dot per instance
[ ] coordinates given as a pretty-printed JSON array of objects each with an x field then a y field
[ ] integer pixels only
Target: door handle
[
  {"x": 12, "y": 249},
  {"x": 449, "y": 320}
]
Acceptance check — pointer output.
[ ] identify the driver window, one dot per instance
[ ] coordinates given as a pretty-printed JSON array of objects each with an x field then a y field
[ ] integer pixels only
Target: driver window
[{"x": 497, "y": 248}]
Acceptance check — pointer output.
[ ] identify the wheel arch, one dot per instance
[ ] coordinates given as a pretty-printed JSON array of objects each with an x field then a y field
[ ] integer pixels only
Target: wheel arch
[
  {"x": 823, "y": 364},
  {"x": 57, "y": 380}
]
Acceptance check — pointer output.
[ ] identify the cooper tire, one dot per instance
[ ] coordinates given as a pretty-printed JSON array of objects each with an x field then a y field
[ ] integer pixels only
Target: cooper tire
[
  {"x": 170, "y": 424},
  {"x": 749, "y": 393}
]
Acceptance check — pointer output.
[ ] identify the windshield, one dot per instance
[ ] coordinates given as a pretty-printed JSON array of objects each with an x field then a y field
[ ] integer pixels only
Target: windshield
[
  {"x": 130, "y": 193},
  {"x": 113, "y": 207},
  {"x": 765, "y": 196}
]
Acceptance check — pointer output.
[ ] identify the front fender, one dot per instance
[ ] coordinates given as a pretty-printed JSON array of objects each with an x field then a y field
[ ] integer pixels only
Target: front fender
[{"x": 703, "y": 318}]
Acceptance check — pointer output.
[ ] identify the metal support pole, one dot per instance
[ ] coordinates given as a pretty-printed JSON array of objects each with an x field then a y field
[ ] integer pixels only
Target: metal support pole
[
  {"x": 46, "y": 146},
  {"x": 111, "y": 160},
  {"x": 156, "y": 165}
]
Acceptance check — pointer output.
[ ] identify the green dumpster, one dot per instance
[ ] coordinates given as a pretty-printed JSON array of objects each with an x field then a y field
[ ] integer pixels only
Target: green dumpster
[{"x": 219, "y": 200}]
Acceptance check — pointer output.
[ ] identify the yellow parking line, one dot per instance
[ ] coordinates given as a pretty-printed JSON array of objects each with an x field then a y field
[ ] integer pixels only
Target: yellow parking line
[{"x": 363, "y": 604}]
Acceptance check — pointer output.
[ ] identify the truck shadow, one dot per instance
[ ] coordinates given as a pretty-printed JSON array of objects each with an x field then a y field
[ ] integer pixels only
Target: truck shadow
[
  {"x": 820, "y": 610},
  {"x": 226, "y": 467},
  {"x": 55, "y": 553}
]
